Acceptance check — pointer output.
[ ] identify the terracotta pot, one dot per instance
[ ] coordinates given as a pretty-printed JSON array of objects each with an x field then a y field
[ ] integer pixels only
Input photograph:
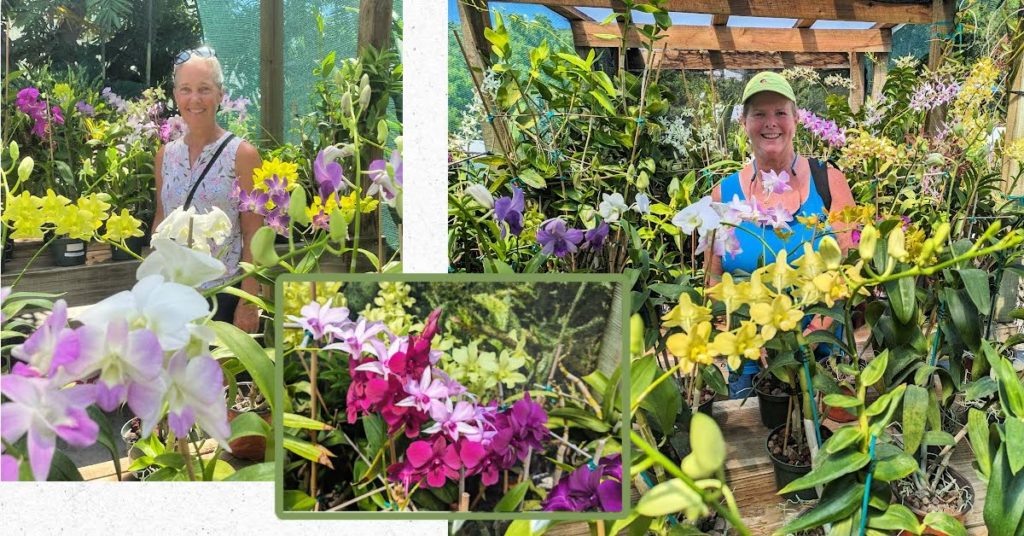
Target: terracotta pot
[
  {"x": 961, "y": 516},
  {"x": 841, "y": 414},
  {"x": 252, "y": 448}
]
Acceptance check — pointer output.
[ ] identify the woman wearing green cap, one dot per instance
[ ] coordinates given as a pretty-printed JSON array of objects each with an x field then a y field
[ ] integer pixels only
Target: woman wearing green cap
[{"x": 779, "y": 187}]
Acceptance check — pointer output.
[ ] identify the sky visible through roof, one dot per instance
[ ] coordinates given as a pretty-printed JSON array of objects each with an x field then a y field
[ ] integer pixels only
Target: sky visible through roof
[{"x": 692, "y": 19}]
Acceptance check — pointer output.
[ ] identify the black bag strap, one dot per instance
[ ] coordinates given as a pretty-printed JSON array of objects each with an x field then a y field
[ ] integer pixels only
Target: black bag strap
[
  {"x": 819, "y": 172},
  {"x": 220, "y": 149}
]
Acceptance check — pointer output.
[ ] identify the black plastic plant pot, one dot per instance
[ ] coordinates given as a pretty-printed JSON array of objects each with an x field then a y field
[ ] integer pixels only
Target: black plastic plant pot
[
  {"x": 786, "y": 472},
  {"x": 774, "y": 408},
  {"x": 8, "y": 249},
  {"x": 134, "y": 243},
  {"x": 68, "y": 251}
]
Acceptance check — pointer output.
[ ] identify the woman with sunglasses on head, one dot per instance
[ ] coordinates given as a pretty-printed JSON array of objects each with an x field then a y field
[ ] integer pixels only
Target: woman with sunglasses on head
[
  {"x": 199, "y": 170},
  {"x": 813, "y": 189}
]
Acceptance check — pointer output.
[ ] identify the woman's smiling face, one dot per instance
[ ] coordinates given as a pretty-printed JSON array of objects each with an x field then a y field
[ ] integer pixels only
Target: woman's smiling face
[
  {"x": 770, "y": 122},
  {"x": 196, "y": 92}
]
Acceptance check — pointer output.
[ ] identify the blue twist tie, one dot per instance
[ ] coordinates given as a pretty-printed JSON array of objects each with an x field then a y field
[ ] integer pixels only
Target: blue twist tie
[
  {"x": 451, "y": 269},
  {"x": 640, "y": 120},
  {"x": 550, "y": 114},
  {"x": 548, "y": 388},
  {"x": 387, "y": 504},
  {"x": 1018, "y": 198},
  {"x": 490, "y": 118},
  {"x": 592, "y": 465}
]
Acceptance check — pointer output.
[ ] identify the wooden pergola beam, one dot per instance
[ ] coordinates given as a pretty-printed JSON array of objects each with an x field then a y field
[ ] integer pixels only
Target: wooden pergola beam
[
  {"x": 698, "y": 60},
  {"x": 571, "y": 14},
  {"x": 720, "y": 20},
  {"x": 375, "y": 24},
  {"x": 848, "y": 10},
  {"x": 742, "y": 39},
  {"x": 883, "y": 25},
  {"x": 272, "y": 68},
  {"x": 804, "y": 23},
  {"x": 856, "y": 98}
]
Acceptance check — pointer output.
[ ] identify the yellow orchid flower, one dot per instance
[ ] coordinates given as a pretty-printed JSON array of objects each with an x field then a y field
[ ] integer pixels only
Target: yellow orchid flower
[
  {"x": 755, "y": 291},
  {"x": 287, "y": 171},
  {"x": 95, "y": 204},
  {"x": 692, "y": 348},
  {"x": 21, "y": 206},
  {"x": 122, "y": 226},
  {"x": 810, "y": 264},
  {"x": 29, "y": 225},
  {"x": 727, "y": 292},
  {"x": 780, "y": 315},
  {"x": 832, "y": 286},
  {"x": 744, "y": 342},
  {"x": 780, "y": 274},
  {"x": 686, "y": 314},
  {"x": 52, "y": 205}
]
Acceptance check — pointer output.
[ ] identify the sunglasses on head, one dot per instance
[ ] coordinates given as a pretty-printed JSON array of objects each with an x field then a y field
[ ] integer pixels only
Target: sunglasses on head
[{"x": 201, "y": 52}]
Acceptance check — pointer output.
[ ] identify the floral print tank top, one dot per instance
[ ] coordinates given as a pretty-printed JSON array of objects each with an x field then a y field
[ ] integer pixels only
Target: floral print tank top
[{"x": 214, "y": 191}]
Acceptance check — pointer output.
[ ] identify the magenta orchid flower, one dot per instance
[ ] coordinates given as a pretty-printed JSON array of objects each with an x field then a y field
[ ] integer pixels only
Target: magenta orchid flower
[
  {"x": 9, "y": 468},
  {"x": 438, "y": 461},
  {"x": 196, "y": 396},
  {"x": 318, "y": 319},
  {"x": 52, "y": 346},
  {"x": 452, "y": 420},
  {"x": 40, "y": 408},
  {"x": 423, "y": 394}
]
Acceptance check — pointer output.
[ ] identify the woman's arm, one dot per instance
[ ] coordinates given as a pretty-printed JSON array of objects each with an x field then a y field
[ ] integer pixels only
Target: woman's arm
[
  {"x": 158, "y": 176},
  {"x": 246, "y": 160},
  {"x": 842, "y": 198}
]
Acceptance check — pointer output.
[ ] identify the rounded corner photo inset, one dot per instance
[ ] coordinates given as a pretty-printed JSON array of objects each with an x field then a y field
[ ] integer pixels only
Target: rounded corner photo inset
[{"x": 471, "y": 397}]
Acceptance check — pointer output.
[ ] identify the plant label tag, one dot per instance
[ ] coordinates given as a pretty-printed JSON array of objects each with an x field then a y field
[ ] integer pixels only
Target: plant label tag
[{"x": 75, "y": 247}]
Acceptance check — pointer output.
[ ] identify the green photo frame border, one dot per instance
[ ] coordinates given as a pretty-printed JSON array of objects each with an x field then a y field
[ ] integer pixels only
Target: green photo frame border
[{"x": 621, "y": 279}]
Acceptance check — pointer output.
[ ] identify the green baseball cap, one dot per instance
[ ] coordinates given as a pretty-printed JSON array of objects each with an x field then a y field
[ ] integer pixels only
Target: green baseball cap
[{"x": 768, "y": 81}]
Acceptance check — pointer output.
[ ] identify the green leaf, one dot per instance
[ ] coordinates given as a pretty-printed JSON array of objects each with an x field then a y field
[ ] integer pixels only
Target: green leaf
[
  {"x": 1014, "y": 443},
  {"x": 249, "y": 424},
  {"x": 252, "y": 356},
  {"x": 889, "y": 405},
  {"x": 895, "y": 468},
  {"x": 1004, "y": 502},
  {"x": 107, "y": 437},
  {"x": 62, "y": 469},
  {"x": 841, "y": 401},
  {"x": 945, "y": 523},
  {"x": 259, "y": 472},
  {"x": 875, "y": 369},
  {"x": 939, "y": 438},
  {"x": 373, "y": 425},
  {"x": 668, "y": 498},
  {"x": 915, "y": 409},
  {"x": 664, "y": 403},
  {"x": 579, "y": 418},
  {"x": 309, "y": 451},
  {"x": 291, "y": 420},
  {"x": 977, "y": 432},
  {"x": 842, "y": 438},
  {"x": 641, "y": 373},
  {"x": 828, "y": 467},
  {"x": 603, "y": 101},
  {"x": 531, "y": 177},
  {"x": 964, "y": 315},
  {"x": 295, "y": 500},
  {"x": 170, "y": 459},
  {"x": 839, "y": 499},
  {"x": 976, "y": 283},
  {"x": 981, "y": 388},
  {"x": 511, "y": 501},
  {"x": 896, "y": 517}
]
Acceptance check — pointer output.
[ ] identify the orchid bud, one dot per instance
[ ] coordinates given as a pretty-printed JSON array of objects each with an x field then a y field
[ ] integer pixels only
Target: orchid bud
[
  {"x": 897, "y": 245},
  {"x": 829, "y": 251},
  {"x": 25, "y": 168},
  {"x": 364, "y": 82},
  {"x": 868, "y": 242},
  {"x": 346, "y": 105},
  {"x": 636, "y": 335},
  {"x": 364, "y": 98},
  {"x": 941, "y": 233},
  {"x": 643, "y": 181},
  {"x": 673, "y": 187},
  {"x": 297, "y": 206},
  {"x": 14, "y": 151},
  {"x": 481, "y": 195},
  {"x": 927, "y": 249},
  {"x": 382, "y": 131},
  {"x": 346, "y": 151},
  {"x": 934, "y": 159},
  {"x": 398, "y": 144},
  {"x": 262, "y": 246},
  {"x": 991, "y": 231}
]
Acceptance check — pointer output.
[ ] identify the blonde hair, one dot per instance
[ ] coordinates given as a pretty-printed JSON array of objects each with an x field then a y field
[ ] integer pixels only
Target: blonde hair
[{"x": 211, "y": 61}]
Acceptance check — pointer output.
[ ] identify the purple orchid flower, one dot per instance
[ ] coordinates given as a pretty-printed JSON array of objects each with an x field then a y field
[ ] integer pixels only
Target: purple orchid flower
[
  {"x": 196, "y": 396},
  {"x": 40, "y": 408},
  {"x": 4, "y": 293},
  {"x": 589, "y": 489},
  {"x": 328, "y": 173},
  {"x": 129, "y": 363},
  {"x": 595, "y": 237},
  {"x": 319, "y": 320},
  {"x": 384, "y": 182},
  {"x": 510, "y": 211},
  {"x": 555, "y": 238},
  {"x": 321, "y": 220},
  {"x": 85, "y": 109},
  {"x": 452, "y": 420},
  {"x": 425, "y": 393},
  {"x": 278, "y": 220},
  {"x": 9, "y": 468},
  {"x": 254, "y": 201},
  {"x": 355, "y": 338},
  {"x": 52, "y": 346}
]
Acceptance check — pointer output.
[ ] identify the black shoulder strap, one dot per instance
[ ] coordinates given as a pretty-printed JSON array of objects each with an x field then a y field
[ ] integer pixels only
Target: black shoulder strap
[
  {"x": 819, "y": 172},
  {"x": 220, "y": 149}
]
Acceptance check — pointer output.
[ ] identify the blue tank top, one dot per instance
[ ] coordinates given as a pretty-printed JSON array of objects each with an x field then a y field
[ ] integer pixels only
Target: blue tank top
[{"x": 749, "y": 235}]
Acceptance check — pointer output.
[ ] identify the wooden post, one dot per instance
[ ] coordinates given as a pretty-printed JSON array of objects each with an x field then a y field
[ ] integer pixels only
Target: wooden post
[
  {"x": 857, "y": 77},
  {"x": 272, "y": 68},
  {"x": 881, "y": 70},
  {"x": 475, "y": 19},
  {"x": 943, "y": 13},
  {"x": 1014, "y": 129},
  {"x": 375, "y": 23}
]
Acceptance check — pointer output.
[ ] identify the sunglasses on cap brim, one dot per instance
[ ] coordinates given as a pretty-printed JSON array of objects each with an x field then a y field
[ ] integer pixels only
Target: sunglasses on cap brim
[{"x": 201, "y": 52}]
